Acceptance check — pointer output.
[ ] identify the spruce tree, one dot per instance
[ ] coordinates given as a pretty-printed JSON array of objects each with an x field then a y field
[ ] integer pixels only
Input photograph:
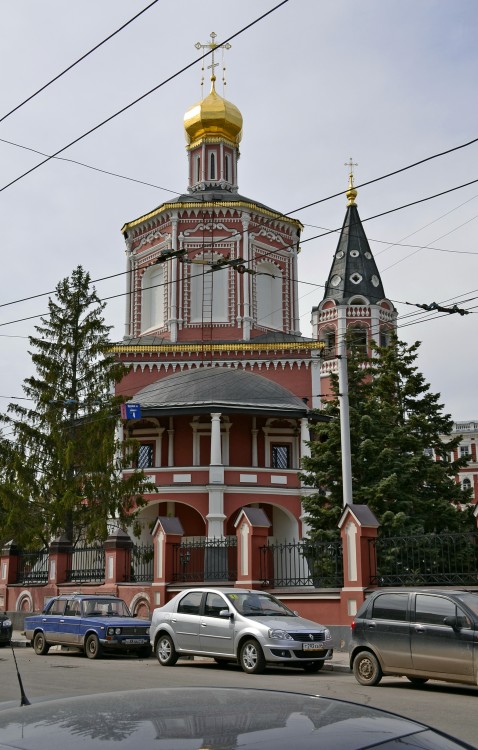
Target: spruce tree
[
  {"x": 61, "y": 470},
  {"x": 394, "y": 422}
]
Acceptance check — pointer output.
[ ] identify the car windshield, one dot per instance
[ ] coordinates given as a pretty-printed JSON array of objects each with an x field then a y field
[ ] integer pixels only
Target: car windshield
[
  {"x": 105, "y": 608},
  {"x": 258, "y": 604}
]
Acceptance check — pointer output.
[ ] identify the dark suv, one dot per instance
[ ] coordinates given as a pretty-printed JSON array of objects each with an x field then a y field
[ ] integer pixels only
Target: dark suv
[{"x": 421, "y": 635}]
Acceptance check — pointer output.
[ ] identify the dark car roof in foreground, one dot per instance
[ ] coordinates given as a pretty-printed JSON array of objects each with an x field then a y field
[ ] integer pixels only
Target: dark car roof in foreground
[{"x": 185, "y": 718}]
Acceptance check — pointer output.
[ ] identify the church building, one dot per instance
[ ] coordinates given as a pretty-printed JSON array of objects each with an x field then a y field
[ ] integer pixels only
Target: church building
[{"x": 226, "y": 385}]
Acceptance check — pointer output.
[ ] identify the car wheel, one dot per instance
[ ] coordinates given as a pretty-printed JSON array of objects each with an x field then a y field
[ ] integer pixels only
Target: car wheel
[
  {"x": 251, "y": 657},
  {"x": 93, "y": 648},
  {"x": 418, "y": 680},
  {"x": 40, "y": 646},
  {"x": 367, "y": 670},
  {"x": 144, "y": 652},
  {"x": 165, "y": 651},
  {"x": 312, "y": 666}
]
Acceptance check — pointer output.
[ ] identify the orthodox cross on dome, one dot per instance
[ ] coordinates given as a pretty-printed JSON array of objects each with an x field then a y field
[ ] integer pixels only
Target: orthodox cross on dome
[
  {"x": 351, "y": 192},
  {"x": 213, "y": 47}
]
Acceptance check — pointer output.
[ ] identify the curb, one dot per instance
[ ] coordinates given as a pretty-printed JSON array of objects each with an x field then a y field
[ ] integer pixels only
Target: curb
[{"x": 329, "y": 666}]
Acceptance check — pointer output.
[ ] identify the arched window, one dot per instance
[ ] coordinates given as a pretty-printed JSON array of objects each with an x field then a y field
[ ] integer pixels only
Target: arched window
[
  {"x": 466, "y": 483},
  {"x": 385, "y": 337},
  {"x": 226, "y": 167},
  {"x": 358, "y": 337},
  {"x": 328, "y": 336},
  {"x": 209, "y": 293},
  {"x": 212, "y": 166},
  {"x": 269, "y": 296},
  {"x": 152, "y": 298},
  {"x": 198, "y": 168}
]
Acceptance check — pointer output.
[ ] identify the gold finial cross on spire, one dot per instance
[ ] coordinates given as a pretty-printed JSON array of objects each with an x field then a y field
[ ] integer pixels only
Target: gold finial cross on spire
[
  {"x": 351, "y": 192},
  {"x": 213, "y": 47}
]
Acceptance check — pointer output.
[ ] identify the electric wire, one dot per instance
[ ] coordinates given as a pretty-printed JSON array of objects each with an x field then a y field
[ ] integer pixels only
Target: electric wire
[
  {"x": 140, "y": 98},
  {"x": 80, "y": 59}
]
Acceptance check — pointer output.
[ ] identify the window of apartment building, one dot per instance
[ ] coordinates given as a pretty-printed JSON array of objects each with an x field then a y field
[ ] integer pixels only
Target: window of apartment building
[{"x": 464, "y": 450}]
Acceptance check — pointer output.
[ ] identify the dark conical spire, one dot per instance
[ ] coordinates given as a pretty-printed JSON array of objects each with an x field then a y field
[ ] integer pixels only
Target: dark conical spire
[{"x": 354, "y": 272}]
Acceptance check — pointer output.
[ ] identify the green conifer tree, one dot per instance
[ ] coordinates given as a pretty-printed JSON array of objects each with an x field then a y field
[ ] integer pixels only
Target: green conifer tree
[
  {"x": 61, "y": 467},
  {"x": 394, "y": 422}
]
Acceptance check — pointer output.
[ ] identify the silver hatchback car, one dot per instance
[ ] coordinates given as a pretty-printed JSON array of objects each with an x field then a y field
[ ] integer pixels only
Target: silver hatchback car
[{"x": 238, "y": 625}]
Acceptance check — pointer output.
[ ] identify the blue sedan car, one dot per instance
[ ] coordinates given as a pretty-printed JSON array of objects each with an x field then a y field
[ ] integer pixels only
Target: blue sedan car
[{"x": 95, "y": 624}]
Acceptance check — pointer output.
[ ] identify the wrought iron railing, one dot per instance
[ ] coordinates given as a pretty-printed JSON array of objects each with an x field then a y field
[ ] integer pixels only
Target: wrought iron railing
[
  {"x": 202, "y": 559},
  {"x": 86, "y": 564},
  {"x": 302, "y": 563},
  {"x": 33, "y": 567},
  {"x": 426, "y": 560},
  {"x": 142, "y": 563}
]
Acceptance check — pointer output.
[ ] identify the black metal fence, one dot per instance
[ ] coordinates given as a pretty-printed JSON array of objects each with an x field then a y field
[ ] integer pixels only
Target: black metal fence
[
  {"x": 205, "y": 560},
  {"x": 86, "y": 564},
  {"x": 33, "y": 567},
  {"x": 426, "y": 560},
  {"x": 142, "y": 563},
  {"x": 302, "y": 563}
]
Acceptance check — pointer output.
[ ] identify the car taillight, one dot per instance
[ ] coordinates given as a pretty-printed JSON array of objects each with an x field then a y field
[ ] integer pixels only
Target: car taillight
[{"x": 353, "y": 625}]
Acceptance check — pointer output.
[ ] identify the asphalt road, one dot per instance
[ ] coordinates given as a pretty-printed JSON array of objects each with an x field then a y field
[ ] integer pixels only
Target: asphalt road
[{"x": 451, "y": 708}]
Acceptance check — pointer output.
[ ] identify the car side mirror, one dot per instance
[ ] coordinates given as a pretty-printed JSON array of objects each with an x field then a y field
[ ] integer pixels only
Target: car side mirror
[
  {"x": 453, "y": 622},
  {"x": 226, "y": 613}
]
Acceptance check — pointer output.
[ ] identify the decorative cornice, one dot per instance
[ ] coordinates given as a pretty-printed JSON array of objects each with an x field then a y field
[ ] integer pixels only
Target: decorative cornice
[
  {"x": 230, "y": 347},
  {"x": 212, "y": 204}
]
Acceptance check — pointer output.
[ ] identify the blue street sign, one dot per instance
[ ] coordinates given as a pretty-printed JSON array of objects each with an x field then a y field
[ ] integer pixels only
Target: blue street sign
[{"x": 132, "y": 411}]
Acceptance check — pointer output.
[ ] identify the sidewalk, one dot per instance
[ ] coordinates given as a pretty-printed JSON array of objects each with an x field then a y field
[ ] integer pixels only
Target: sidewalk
[{"x": 339, "y": 663}]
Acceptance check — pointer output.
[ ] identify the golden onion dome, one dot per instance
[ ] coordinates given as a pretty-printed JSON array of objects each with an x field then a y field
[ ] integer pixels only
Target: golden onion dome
[{"x": 213, "y": 116}]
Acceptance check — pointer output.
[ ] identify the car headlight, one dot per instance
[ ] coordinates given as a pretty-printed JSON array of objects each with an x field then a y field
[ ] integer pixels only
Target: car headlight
[
  {"x": 280, "y": 635},
  {"x": 6, "y": 623},
  {"x": 327, "y": 635},
  {"x": 147, "y": 631}
]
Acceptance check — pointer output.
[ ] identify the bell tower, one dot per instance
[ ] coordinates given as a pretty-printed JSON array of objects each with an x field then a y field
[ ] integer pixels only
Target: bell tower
[{"x": 354, "y": 300}]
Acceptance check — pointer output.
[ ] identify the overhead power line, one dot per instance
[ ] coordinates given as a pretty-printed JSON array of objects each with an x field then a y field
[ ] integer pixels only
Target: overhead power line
[
  {"x": 80, "y": 59},
  {"x": 140, "y": 98}
]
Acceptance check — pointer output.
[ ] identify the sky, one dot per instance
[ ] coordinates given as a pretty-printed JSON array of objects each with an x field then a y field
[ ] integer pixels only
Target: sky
[{"x": 318, "y": 82}]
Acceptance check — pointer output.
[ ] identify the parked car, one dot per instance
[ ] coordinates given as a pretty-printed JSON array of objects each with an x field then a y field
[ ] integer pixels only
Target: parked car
[
  {"x": 5, "y": 629},
  {"x": 238, "y": 625},
  {"x": 216, "y": 718},
  {"x": 95, "y": 624},
  {"x": 421, "y": 635}
]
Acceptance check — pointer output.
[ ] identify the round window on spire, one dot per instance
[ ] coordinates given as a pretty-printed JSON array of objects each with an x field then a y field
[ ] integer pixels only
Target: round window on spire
[
  {"x": 368, "y": 256},
  {"x": 335, "y": 280},
  {"x": 356, "y": 278},
  {"x": 354, "y": 253},
  {"x": 375, "y": 280}
]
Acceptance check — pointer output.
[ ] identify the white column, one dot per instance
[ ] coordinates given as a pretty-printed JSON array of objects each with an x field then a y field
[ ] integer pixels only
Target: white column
[
  {"x": 216, "y": 468},
  {"x": 173, "y": 286},
  {"x": 128, "y": 322},
  {"x": 295, "y": 293},
  {"x": 216, "y": 459},
  {"x": 246, "y": 315}
]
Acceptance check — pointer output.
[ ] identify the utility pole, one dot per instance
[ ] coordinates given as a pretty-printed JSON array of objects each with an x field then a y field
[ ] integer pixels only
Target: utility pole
[{"x": 345, "y": 422}]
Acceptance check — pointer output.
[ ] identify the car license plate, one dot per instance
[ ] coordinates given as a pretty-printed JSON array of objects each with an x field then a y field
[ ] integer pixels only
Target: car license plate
[
  {"x": 134, "y": 640},
  {"x": 313, "y": 647}
]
